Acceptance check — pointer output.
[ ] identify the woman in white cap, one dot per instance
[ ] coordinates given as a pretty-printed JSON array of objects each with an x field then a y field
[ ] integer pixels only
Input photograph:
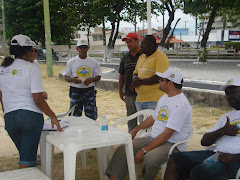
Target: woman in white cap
[{"x": 22, "y": 101}]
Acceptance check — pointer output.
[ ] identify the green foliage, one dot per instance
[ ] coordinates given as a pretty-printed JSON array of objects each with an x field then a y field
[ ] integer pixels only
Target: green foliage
[
  {"x": 232, "y": 44},
  {"x": 203, "y": 55}
]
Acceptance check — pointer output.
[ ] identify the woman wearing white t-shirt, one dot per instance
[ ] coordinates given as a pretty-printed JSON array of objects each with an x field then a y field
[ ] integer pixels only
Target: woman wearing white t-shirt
[{"x": 22, "y": 100}]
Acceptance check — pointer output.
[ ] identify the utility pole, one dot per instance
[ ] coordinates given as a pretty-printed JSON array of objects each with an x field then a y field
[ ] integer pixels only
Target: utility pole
[
  {"x": 149, "y": 17},
  {"x": 48, "y": 37},
  {"x": 4, "y": 33}
]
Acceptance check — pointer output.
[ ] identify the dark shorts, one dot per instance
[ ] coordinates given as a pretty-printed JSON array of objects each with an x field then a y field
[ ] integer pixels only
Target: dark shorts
[
  {"x": 84, "y": 98},
  {"x": 191, "y": 162},
  {"x": 25, "y": 128}
]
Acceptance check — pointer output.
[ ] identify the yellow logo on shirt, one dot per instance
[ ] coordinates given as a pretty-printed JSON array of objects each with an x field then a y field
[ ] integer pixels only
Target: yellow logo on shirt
[
  {"x": 237, "y": 123},
  {"x": 84, "y": 72},
  {"x": 14, "y": 72},
  {"x": 230, "y": 81},
  {"x": 163, "y": 114}
]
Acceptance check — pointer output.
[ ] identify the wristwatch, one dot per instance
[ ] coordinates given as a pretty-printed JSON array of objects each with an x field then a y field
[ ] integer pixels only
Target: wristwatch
[{"x": 144, "y": 151}]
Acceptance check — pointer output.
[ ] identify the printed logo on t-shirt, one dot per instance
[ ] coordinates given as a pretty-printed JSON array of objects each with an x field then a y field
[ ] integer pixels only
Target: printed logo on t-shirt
[
  {"x": 84, "y": 72},
  {"x": 236, "y": 123},
  {"x": 163, "y": 114},
  {"x": 14, "y": 72}
]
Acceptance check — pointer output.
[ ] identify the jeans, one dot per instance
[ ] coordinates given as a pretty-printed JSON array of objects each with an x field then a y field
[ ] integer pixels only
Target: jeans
[
  {"x": 145, "y": 105},
  {"x": 191, "y": 162},
  {"x": 25, "y": 128}
]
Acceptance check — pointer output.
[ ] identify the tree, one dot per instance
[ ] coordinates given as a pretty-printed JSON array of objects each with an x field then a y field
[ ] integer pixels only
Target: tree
[{"x": 199, "y": 7}]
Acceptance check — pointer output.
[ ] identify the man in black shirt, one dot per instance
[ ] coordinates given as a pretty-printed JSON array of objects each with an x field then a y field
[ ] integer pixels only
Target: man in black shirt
[{"x": 127, "y": 66}]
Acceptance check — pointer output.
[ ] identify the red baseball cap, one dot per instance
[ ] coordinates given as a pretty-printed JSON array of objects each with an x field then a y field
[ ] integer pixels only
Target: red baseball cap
[{"x": 130, "y": 36}]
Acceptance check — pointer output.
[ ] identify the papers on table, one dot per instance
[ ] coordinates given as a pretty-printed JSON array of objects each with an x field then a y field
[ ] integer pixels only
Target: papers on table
[{"x": 48, "y": 127}]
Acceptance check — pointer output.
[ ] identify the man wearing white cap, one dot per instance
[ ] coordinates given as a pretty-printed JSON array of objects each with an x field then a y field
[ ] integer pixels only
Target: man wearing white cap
[
  {"x": 223, "y": 161},
  {"x": 83, "y": 72},
  {"x": 170, "y": 122}
]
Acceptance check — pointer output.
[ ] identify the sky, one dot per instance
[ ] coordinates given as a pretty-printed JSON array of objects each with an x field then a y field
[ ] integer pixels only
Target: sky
[{"x": 157, "y": 21}]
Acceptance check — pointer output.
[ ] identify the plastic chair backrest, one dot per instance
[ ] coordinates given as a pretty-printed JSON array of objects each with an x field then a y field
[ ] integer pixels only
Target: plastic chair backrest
[
  {"x": 70, "y": 112},
  {"x": 146, "y": 113}
]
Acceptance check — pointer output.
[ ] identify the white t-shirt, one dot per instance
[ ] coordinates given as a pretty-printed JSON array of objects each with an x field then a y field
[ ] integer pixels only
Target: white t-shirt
[
  {"x": 83, "y": 68},
  {"x": 228, "y": 144},
  {"x": 17, "y": 83},
  {"x": 175, "y": 113}
]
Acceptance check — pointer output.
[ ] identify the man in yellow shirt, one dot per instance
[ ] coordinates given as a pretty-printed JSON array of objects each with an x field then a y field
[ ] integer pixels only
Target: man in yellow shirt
[{"x": 145, "y": 80}]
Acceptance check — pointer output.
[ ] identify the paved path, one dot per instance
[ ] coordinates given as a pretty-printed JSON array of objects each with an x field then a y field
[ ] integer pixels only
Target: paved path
[{"x": 206, "y": 76}]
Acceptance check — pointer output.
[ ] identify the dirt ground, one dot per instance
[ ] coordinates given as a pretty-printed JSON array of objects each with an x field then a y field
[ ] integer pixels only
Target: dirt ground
[{"x": 109, "y": 104}]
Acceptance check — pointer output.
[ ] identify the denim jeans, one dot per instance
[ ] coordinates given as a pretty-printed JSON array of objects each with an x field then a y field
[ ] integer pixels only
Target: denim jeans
[
  {"x": 145, "y": 105},
  {"x": 25, "y": 128}
]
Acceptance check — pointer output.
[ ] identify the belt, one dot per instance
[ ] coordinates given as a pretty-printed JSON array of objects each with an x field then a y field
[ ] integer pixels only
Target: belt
[{"x": 80, "y": 90}]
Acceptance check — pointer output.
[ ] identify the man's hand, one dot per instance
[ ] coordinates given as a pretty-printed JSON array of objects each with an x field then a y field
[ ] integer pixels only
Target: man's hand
[
  {"x": 230, "y": 130},
  {"x": 227, "y": 158},
  {"x": 76, "y": 80},
  {"x": 88, "y": 81},
  {"x": 56, "y": 122},
  {"x": 138, "y": 159},
  {"x": 135, "y": 83},
  {"x": 122, "y": 94}
]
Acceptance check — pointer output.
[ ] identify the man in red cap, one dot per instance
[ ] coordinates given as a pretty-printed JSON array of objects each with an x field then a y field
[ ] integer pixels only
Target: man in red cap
[{"x": 127, "y": 66}]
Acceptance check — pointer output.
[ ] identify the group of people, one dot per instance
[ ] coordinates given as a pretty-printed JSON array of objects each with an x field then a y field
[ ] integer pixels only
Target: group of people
[
  {"x": 145, "y": 82},
  {"x": 151, "y": 84}
]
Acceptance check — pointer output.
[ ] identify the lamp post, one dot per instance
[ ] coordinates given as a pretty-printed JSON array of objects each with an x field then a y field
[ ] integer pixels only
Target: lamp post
[
  {"x": 149, "y": 17},
  {"x": 48, "y": 37}
]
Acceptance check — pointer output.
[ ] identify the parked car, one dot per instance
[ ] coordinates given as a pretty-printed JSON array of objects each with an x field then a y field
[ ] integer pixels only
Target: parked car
[{"x": 42, "y": 54}]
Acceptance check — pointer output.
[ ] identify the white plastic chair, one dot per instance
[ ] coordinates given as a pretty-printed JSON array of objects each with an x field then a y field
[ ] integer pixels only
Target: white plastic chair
[
  {"x": 211, "y": 148},
  {"x": 164, "y": 165},
  {"x": 145, "y": 132},
  {"x": 43, "y": 142}
]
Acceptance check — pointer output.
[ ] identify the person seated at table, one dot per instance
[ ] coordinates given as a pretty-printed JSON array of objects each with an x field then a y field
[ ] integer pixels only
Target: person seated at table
[
  {"x": 226, "y": 134},
  {"x": 170, "y": 122},
  {"x": 22, "y": 100}
]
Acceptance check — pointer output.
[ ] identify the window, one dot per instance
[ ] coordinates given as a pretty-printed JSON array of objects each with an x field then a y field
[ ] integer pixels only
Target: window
[{"x": 78, "y": 36}]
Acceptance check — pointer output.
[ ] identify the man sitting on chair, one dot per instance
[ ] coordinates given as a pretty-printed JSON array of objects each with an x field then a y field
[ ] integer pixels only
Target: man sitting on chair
[
  {"x": 226, "y": 134},
  {"x": 170, "y": 122}
]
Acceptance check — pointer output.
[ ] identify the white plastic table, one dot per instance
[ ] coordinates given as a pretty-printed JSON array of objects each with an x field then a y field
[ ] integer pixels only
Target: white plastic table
[
  {"x": 88, "y": 137},
  {"x": 23, "y": 174},
  {"x": 75, "y": 123}
]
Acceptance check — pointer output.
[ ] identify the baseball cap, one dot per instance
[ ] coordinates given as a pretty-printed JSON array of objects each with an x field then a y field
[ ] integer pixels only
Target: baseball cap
[
  {"x": 130, "y": 36},
  {"x": 171, "y": 74},
  {"x": 21, "y": 40},
  {"x": 231, "y": 82},
  {"x": 82, "y": 42}
]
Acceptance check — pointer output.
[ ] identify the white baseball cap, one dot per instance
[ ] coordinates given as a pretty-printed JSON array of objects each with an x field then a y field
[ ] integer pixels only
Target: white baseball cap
[
  {"x": 231, "y": 82},
  {"x": 82, "y": 42},
  {"x": 171, "y": 74},
  {"x": 21, "y": 40}
]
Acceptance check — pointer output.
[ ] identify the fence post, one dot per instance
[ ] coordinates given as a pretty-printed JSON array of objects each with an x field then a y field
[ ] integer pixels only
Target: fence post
[
  {"x": 188, "y": 52},
  {"x": 218, "y": 53},
  {"x": 234, "y": 53}
]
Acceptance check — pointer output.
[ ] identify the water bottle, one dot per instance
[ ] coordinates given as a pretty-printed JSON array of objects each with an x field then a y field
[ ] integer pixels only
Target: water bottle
[
  {"x": 213, "y": 158},
  {"x": 104, "y": 123}
]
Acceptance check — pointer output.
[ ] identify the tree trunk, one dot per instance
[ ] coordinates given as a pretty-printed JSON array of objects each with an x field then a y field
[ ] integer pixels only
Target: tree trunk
[
  {"x": 116, "y": 34},
  {"x": 208, "y": 29},
  {"x": 88, "y": 32},
  {"x": 171, "y": 36},
  {"x": 104, "y": 42},
  {"x": 111, "y": 35},
  {"x": 166, "y": 30}
]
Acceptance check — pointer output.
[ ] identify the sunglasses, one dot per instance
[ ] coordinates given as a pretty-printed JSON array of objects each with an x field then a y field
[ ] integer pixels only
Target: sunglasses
[
  {"x": 34, "y": 50},
  {"x": 83, "y": 47}
]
